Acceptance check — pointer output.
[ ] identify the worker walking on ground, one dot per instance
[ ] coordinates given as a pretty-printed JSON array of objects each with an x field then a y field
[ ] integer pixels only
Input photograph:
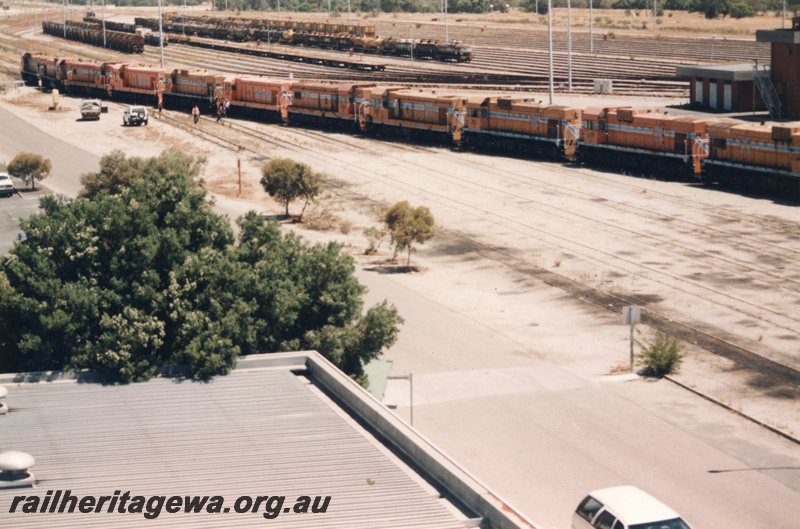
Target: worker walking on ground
[{"x": 196, "y": 114}]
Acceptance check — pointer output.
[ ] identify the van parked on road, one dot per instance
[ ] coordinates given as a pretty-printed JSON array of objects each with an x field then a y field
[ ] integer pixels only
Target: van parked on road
[{"x": 624, "y": 507}]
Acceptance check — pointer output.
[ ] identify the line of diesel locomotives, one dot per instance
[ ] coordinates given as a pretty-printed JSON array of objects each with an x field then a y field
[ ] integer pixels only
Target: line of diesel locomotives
[{"x": 755, "y": 157}]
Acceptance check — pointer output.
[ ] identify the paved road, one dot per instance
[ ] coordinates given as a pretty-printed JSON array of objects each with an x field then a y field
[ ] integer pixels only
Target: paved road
[
  {"x": 68, "y": 162},
  {"x": 540, "y": 434}
]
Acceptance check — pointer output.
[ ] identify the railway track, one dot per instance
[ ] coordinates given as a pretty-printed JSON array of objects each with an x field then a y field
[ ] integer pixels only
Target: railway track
[
  {"x": 684, "y": 48},
  {"x": 521, "y": 185},
  {"x": 402, "y": 71}
]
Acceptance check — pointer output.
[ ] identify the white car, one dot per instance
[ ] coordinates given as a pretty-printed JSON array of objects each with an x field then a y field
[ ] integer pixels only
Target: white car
[
  {"x": 624, "y": 508},
  {"x": 135, "y": 115},
  {"x": 6, "y": 185}
]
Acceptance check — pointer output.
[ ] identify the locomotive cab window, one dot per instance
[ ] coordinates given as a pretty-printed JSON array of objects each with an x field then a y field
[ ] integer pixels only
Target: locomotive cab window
[
  {"x": 298, "y": 95},
  {"x": 589, "y": 125}
]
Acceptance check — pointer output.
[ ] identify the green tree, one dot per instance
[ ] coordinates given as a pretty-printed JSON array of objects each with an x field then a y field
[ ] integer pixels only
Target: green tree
[
  {"x": 741, "y": 10},
  {"x": 711, "y": 8},
  {"x": 286, "y": 180},
  {"x": 409, "y": 226},
  {"x": 30, "y": 167},
  {"x": 117, "y": 171},
  {"x": 677, "y": 5},
  {"x": 123, "y": 283},
  {"x": 472, "y": 6},
  {"x": 531, "y": 5}
]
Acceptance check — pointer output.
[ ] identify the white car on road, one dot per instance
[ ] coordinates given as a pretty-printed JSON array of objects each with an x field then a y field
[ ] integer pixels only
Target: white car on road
[
  {"x": 624, "y": 508},
  {"x": 6, "y": 185}
]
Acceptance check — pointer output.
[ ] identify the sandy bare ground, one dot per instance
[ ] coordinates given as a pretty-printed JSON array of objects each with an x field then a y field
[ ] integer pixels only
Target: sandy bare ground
[{"x": 727, "y": 264}]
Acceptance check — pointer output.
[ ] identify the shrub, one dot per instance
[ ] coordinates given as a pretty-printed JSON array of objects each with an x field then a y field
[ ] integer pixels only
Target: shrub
[
  {"x": 374, "y": 237},
  {"x": 741, "y": 10},
  {"x": 408, "y": 226},
  {"x": 661, "y": 357}
]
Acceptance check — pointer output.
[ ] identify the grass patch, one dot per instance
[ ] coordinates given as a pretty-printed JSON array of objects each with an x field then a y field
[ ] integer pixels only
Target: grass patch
[{"x": 717, "y": 31}]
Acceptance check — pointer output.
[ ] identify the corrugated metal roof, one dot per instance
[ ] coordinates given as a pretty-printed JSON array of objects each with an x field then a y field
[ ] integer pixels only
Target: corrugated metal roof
[{"x": 255, "y": 432}]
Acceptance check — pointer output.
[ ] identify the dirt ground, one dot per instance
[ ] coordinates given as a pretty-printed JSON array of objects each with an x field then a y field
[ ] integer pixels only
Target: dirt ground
[{"x": 454, "y": 282}]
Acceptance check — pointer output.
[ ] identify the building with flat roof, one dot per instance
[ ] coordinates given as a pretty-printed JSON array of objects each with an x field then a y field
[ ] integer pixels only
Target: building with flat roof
[
  {"x": 285, "y": 440},
  {"x": 722, "y": 87}
]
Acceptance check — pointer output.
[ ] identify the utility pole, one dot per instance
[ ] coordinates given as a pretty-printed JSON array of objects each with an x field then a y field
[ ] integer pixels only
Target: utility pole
[
  {"x": 160, "y": 34},
  {"x": 655, "y": 16},
  {"x": 411, "y": 34},
  {"x": 569, "y": 43},
  {"x": 550, "y": 43}
]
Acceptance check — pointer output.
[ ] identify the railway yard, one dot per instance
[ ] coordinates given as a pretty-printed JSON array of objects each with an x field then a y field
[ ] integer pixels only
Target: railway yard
[
  {"x": 544, "y": 253},
  {"x": 502, "y": 58}
]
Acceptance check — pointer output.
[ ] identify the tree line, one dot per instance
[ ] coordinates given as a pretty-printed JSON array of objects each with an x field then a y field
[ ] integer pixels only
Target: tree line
[{"x": 711, "y": 8}]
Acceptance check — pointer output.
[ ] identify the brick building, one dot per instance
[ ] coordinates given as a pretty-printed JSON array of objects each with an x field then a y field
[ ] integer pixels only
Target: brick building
[{"x": 785, "y": 66}]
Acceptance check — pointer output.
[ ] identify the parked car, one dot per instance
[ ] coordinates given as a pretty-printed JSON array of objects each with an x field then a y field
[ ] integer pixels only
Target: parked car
[
  {"x": 91, "y": 109},
  {"x": 624, "y": 507},
  {"x": 6, "y": 185},
  {"x": 135, "y": 115}
]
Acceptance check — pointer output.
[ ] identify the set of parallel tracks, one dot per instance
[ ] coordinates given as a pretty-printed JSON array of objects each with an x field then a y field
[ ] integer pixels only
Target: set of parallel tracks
[
  {"x": 714, "y": 340},
  {"x": 532, "y": 77}
]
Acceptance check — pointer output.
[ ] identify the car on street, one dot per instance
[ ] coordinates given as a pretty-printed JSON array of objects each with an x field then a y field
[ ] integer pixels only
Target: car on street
[
  {"x": 6, "y": 185},
  {"x": 134, "y": 115},
  {"x": 91, "y": 109},
  {"x": 625, "y": 507}
]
